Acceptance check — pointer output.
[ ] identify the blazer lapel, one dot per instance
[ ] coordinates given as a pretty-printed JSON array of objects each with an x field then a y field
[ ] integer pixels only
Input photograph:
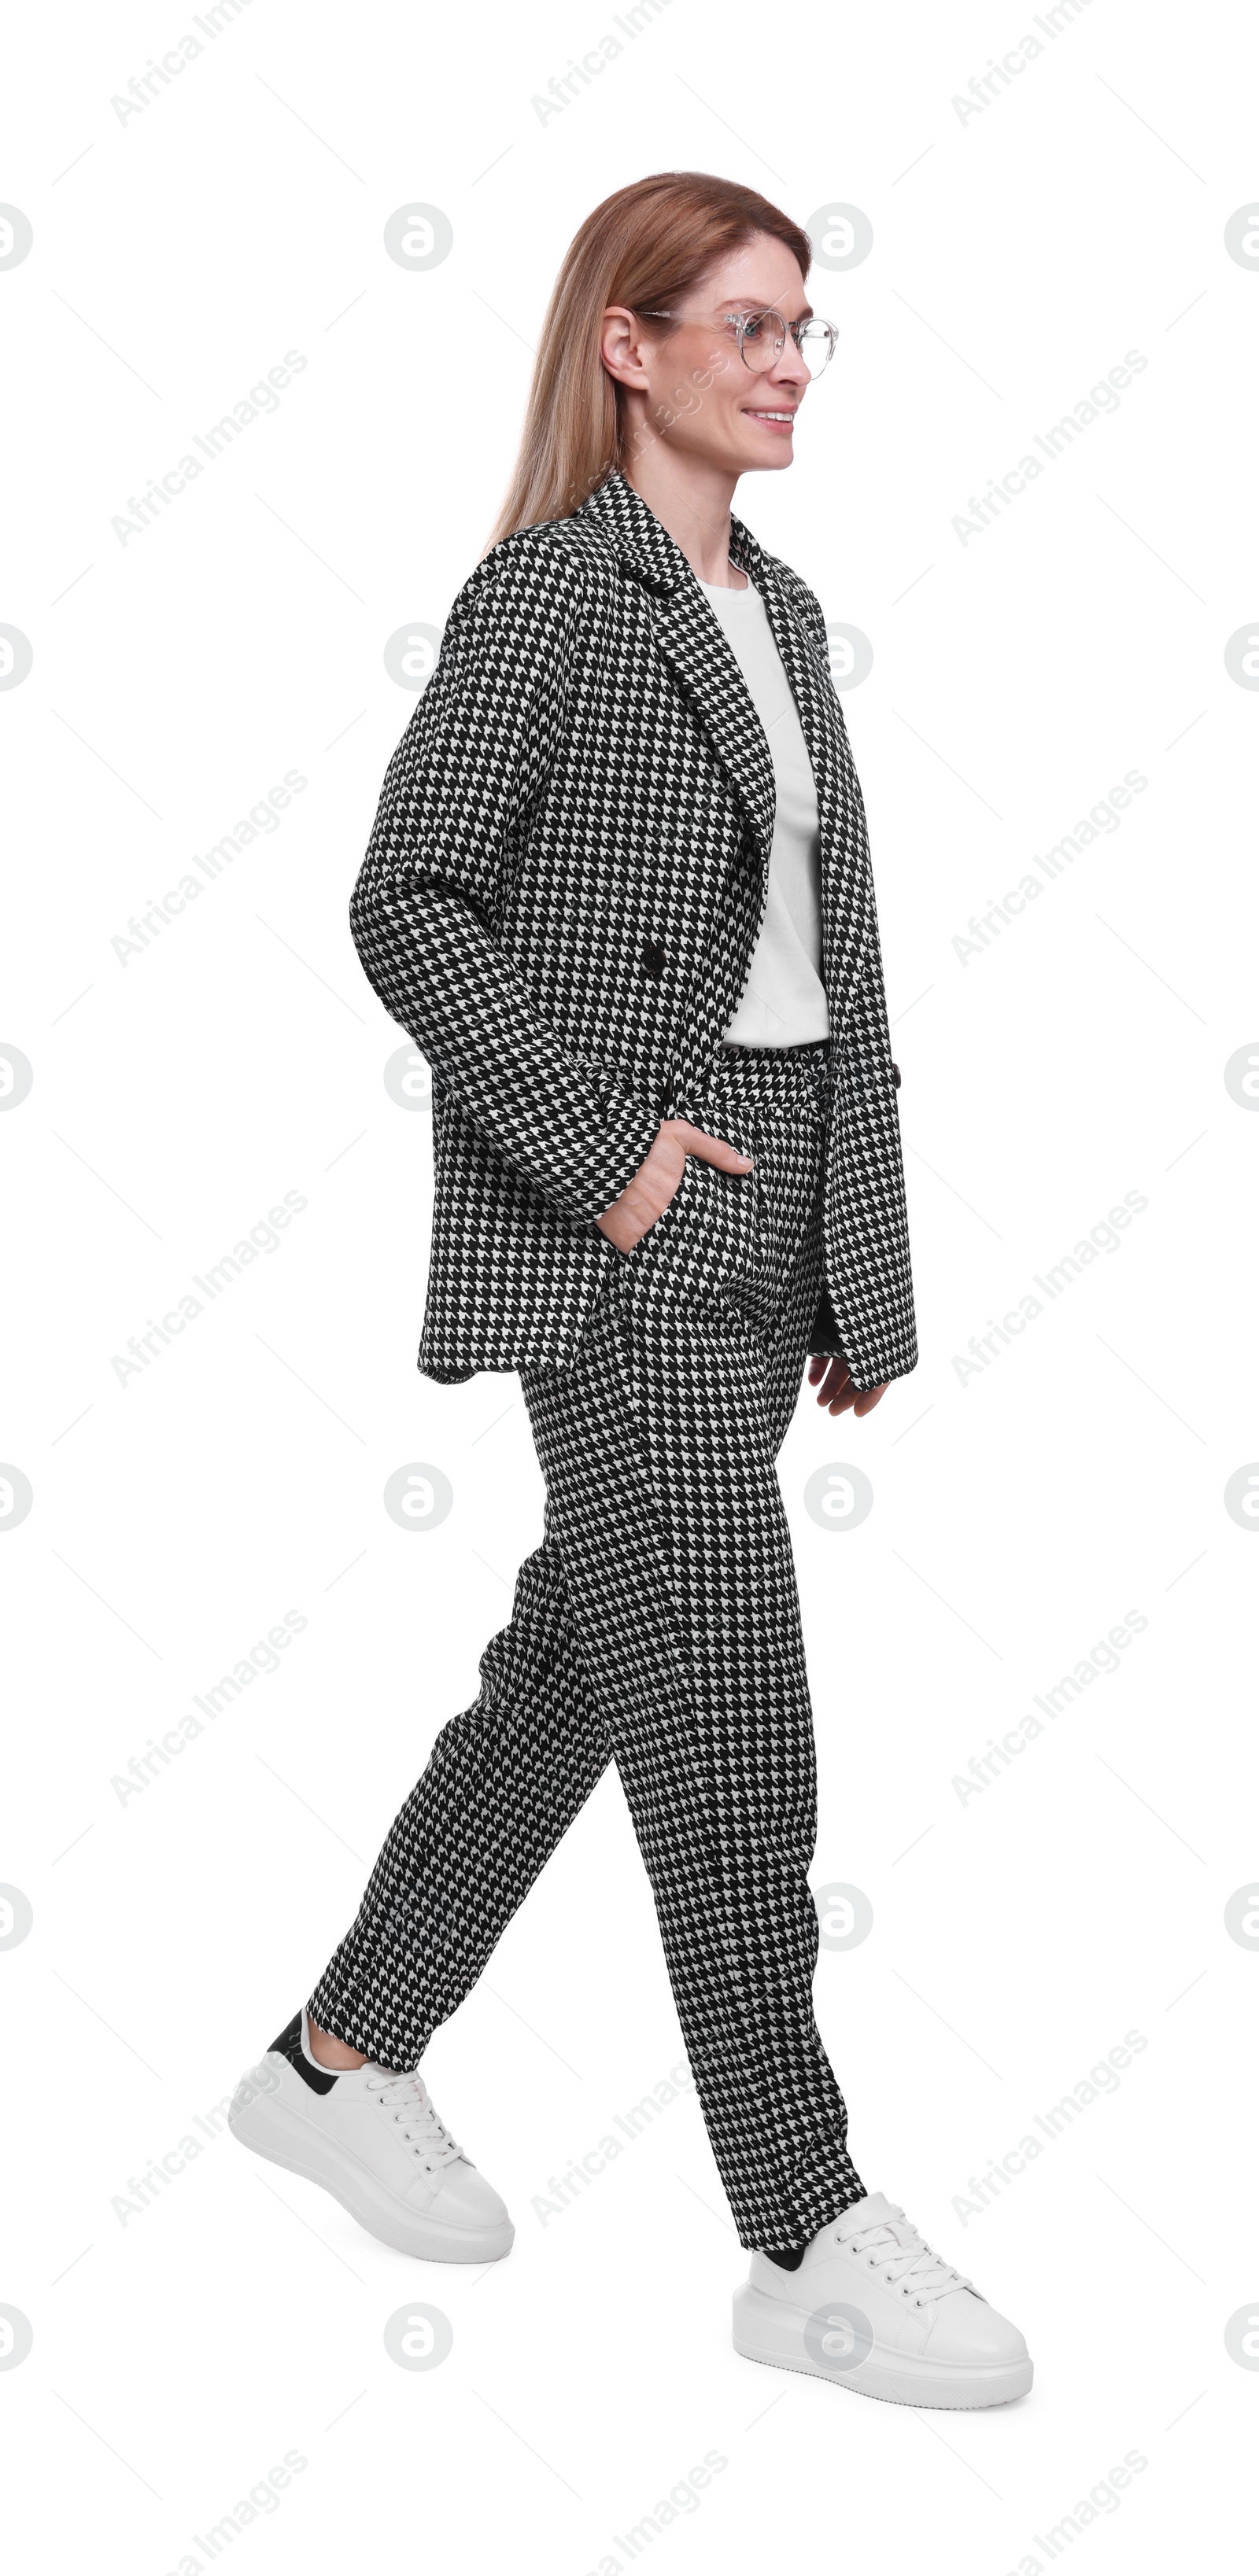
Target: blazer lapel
[{"x": 692, "y": 641}]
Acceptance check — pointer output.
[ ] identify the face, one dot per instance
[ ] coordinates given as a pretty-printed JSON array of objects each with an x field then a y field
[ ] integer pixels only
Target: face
[{"x": 693, "y": 386}]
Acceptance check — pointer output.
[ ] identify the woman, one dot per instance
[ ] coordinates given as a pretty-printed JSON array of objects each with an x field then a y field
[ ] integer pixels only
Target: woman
[{"x": 618, "y": 891}]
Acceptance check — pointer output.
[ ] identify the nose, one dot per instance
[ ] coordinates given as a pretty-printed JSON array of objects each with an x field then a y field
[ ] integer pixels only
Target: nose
[{"x": 789, "y": 367}]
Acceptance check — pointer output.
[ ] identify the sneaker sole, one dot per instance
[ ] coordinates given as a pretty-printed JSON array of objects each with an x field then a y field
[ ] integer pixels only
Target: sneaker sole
[
  {"x": 770, "y": 2330},
  {"x": 268, "y": 2129}
]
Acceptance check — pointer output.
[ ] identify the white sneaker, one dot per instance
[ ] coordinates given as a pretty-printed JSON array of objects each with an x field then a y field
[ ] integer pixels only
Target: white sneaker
[
  {"x": 872, "y": 2307},
  {"x": 374, "y": 2140}
]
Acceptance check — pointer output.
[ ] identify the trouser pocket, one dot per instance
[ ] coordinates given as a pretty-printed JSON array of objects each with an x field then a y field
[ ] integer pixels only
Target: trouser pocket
[{"x": 705, "y": 1242}]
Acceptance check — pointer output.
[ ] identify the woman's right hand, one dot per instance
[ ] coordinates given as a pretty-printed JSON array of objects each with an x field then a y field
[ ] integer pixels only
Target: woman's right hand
[{"x": 646, "y": 1197}]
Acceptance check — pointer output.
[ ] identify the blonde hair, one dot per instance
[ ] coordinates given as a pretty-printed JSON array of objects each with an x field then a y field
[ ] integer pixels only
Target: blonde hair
[{"x": 645, "y": 246}]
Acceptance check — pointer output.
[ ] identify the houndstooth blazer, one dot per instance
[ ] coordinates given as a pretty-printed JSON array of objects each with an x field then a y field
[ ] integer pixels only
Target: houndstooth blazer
[{"x": 562, "y": 890}]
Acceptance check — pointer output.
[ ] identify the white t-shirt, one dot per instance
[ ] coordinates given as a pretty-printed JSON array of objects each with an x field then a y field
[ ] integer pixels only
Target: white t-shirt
[{"x": 783, "y": 1002}]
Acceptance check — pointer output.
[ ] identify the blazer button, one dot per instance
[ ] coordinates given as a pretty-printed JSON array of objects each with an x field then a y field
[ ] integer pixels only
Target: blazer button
[
  {"x": 653, "y": 959},
  {"x": 896, "y": 1077}
]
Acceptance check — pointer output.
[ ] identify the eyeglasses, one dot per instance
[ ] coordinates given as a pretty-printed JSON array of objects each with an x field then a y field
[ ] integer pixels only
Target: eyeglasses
[{"x": 761, "y": 335}]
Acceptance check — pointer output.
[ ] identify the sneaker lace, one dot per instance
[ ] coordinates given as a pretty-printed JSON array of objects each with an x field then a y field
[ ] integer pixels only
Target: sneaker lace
[
  {"x": 405, "y": 2099},
  {"x": 893, "y": 2245}
]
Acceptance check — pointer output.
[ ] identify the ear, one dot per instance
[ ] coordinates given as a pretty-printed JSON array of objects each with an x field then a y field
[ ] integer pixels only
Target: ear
[{"x": 621, "y": 346}]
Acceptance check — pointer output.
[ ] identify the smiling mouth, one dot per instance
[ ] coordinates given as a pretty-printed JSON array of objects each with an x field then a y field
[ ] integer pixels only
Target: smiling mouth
[{"x": 780, "y": 419}]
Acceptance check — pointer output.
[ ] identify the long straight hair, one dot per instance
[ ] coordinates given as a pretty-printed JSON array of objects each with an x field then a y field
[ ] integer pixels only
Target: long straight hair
[{"x": 647, "y": 245}]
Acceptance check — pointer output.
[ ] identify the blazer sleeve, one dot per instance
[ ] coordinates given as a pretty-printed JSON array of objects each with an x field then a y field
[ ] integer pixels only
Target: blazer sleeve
[
  {"x": 875, "y": 1328},
  {"x": 876, "y": 1334},
  {"x": 475, "y": 754}
]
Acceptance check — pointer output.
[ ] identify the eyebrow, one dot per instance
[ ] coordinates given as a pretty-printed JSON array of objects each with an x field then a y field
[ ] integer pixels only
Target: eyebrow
[
  {"x": 753, "y": 305},
  {"x": 748, "y": 304}
]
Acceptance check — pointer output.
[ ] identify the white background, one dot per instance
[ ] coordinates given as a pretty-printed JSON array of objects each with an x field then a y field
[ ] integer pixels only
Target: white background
[{"x": 1018, "y": 1515}]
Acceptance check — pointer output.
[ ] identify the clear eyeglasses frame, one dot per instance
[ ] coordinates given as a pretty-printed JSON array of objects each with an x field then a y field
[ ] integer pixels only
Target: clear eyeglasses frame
[{"x": 762, "y": 334}]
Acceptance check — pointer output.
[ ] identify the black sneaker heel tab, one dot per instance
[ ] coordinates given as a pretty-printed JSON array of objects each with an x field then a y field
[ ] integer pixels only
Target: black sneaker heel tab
[{"x": 289, "y": 2044}]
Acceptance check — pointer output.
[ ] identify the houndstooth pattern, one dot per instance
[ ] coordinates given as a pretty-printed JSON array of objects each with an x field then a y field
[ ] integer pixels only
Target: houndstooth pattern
[
  {"x": 561, "y": 894},
  {"x": 657, "y": 1625}
]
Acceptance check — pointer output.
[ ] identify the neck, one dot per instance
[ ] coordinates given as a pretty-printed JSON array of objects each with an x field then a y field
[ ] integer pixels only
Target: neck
[{"x": 692, "y": 500}]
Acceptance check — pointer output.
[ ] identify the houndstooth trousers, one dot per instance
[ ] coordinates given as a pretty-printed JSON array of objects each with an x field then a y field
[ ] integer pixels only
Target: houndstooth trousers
[{"x": 658, "y": 1625}]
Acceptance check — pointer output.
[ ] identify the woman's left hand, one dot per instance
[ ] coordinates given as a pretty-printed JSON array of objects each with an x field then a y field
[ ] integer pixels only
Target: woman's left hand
[{"x": 835, "y": 1387}]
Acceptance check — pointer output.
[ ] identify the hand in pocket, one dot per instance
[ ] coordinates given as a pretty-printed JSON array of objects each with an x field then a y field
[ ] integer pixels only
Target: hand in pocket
[{"x": 645, "y": 1198}]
